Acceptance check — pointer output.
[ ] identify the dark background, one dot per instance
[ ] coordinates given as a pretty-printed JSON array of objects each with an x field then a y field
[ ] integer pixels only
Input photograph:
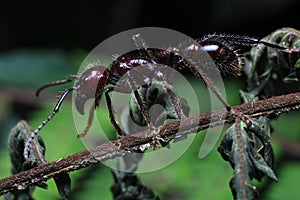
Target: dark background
[{"x": 84, "y": 24}]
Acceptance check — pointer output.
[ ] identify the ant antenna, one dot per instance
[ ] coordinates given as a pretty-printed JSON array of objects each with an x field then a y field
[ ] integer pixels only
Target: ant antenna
[
  {"x": 39, "y": 128},
  {"x": 140, "y": 43},
  {"x": 247, "y": 41},
  {"x": 69, "y": 79}
]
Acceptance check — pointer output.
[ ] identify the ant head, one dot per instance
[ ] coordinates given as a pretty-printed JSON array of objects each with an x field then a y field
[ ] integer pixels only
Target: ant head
[{"x": 90, "y": 85}]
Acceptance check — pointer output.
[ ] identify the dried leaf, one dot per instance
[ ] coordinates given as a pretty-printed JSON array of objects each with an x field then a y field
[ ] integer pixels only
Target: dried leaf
[
  {"x": 248, "y": 159},
  {"x": 128, "y": 186},
  {"x": 63, "y": 184},
  {"x": 237, "y": 155}
]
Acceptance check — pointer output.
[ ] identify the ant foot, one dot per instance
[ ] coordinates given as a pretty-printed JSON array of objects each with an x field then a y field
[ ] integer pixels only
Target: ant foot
[
  {"x": 242, "y": 116},
  {"x": 118, "y": 143},
  {"x": 80, "y": 135},
  {"x": 156, "y": 139}
]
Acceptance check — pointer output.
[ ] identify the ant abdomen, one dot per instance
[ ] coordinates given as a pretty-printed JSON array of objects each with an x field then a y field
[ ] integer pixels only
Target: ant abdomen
[{"x": 226, "y": 58}]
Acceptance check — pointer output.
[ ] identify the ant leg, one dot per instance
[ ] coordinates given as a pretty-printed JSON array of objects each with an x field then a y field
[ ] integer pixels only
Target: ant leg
[
  {"x": 39, "y": 128},
  {"x": 143, "y": 108},
  {"x": 201, "y": 76},
  {"x": 89, "y": 123},
  {"x": 141, "y": 44},
  {"x": 60, "y": 82},
  {"x": 135, "y": 83},
  {"x": 176, "y": 103},
  {"x": 120, "y": 132}
]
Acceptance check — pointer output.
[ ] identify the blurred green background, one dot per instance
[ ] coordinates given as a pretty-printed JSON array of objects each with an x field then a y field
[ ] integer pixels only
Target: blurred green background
[{"x": 40, "y": 43}]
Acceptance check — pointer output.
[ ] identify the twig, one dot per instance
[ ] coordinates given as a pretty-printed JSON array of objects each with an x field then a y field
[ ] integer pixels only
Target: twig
[{"x": 110, "y": 150}]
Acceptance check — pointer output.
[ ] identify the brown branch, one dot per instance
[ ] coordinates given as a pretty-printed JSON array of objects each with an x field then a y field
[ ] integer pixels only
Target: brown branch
[{"x": 110, "y": 150}]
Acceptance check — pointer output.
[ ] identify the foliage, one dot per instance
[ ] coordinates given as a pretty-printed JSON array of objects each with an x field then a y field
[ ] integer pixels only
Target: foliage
[{"x": 16, "y": 142}]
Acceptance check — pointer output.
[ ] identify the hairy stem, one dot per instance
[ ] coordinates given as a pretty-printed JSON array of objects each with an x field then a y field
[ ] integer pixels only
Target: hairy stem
[{"x": 112, "y": 149}]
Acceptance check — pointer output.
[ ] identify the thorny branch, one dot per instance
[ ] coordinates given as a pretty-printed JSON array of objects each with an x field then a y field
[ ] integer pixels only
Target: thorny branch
[{"x": 271, "y": 107}]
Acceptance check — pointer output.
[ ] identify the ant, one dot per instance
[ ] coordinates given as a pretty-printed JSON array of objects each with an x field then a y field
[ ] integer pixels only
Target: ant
[{"x": 140, "y": 66}]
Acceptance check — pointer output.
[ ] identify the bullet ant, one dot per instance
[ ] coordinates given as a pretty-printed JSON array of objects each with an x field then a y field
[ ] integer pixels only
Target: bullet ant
[{"x": 141, "y": 67}]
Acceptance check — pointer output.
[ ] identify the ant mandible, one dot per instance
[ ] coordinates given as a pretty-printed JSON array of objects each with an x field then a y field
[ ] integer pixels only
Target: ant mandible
[{"x": 221, "y": 47}]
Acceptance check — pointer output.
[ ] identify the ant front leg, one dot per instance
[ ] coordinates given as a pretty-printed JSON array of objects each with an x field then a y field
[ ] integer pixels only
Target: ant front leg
[
  {"x": 39, "y": 128},
  {"x": 89, "y": 123},
  {"x": 120, "y": 132},
  {"x": 113, "y": 121}
]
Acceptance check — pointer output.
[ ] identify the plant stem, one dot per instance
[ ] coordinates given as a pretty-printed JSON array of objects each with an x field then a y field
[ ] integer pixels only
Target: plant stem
[{"x": 270, "y": 107}]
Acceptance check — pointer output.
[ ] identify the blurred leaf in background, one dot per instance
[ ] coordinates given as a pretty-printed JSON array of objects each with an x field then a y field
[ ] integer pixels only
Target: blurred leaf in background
[{"x": 31, "y": 68}]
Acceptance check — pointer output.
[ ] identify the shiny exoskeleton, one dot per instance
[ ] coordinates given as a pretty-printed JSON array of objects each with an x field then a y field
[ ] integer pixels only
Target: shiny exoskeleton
[{"x": 140, "y": 66}]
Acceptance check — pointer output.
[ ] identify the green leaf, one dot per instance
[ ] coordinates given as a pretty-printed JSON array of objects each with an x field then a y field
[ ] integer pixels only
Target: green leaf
[
  {"x": 41, "y": 66},
  {"x": 128, "y": 186},
  {"x": 239, "y": 147},
  {"x": 16, "y": 142},
  {"x": 240, "y": 183},
  {"x": 156, "y": 94},
  {"x": 63, "y": 184}
]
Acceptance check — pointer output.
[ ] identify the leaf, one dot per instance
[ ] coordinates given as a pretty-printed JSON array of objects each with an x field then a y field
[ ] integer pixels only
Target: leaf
[
  {"x": 273, "y": 71},
  {"x": 260, "y": 133},
  {"x": 249, "y": 151},
  {"x": 156, "y": 94},
  {"x": 259, "y": 129},
  {"x": 237, "y": 155},
  {"x": 261, "y": 165},
  {"x": 16, "y": 142},
  {"x": 63, "y": 184},
  {"x": 240, "y": 150},
  {"x": 128, "y": 186}
]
